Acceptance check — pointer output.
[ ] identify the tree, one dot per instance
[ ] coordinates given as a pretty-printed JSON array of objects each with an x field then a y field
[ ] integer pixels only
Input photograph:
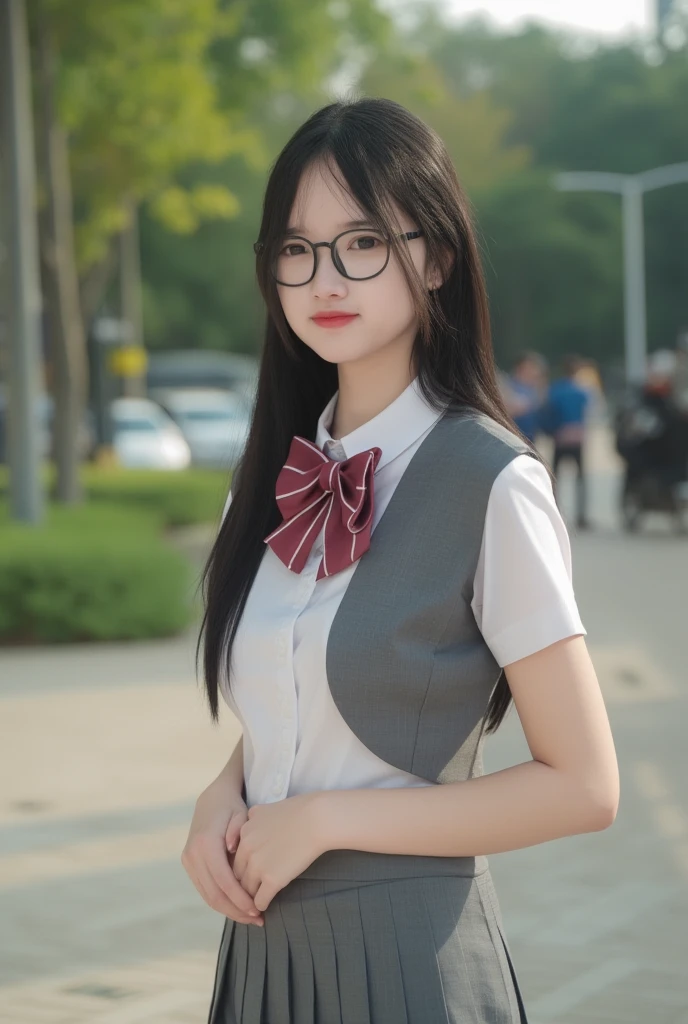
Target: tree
[
  {"x": 139, "y": 92},
  {"x": 614, "y": 107},
  {"x": 125, "y": 99},
  {"x": 69, "y": 363},
  {"x": 512, "y": 109}
]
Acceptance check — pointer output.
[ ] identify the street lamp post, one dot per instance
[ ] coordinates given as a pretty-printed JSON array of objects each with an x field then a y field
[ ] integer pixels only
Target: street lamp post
[{"x": 632, "y": 188}]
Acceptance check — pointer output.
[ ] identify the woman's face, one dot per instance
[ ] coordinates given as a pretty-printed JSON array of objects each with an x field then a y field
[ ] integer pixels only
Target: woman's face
[{"x": 385, "y": 317}]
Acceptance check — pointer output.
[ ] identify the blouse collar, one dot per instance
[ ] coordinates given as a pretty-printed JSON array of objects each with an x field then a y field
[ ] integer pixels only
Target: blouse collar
[{"x": 393, "y": 430}]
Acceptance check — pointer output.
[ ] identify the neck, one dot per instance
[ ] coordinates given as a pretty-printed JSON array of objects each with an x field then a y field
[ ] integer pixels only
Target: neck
[{"x": 365, "y": 389}]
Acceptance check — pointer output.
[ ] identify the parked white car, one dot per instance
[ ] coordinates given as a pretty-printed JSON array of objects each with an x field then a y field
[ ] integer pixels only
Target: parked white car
[
  {"x": 145, "y": 437},
  {"x": 214, "y": 421}
]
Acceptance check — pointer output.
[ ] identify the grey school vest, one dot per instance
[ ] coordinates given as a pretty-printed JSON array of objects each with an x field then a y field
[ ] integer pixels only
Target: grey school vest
[{"x": 407, "y": 666}]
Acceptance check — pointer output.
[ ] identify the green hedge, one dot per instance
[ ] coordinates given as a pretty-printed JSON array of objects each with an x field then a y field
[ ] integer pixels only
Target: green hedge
[
  {"x": 96, "y": 572},
  {"x": 182, "y": 498}
]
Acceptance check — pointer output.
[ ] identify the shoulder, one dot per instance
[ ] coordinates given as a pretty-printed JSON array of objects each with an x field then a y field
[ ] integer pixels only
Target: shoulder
[
  {"x": 479, "y": 443},
  {"x": 462, "y": 457},
  {"x": 524, "y": 483},
  {"x": 522, "y": 505}
]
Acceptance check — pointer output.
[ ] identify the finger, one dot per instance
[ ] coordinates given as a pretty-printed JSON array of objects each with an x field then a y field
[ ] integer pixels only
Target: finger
[
  {"x": 212, "y": 895},
  {"x": 197, "y": 885},
  {"x": 264, "y": 897},
  {"x": 216, "y": 899},
  {"x": 250, "y": 884},
  {"x": 190, "y": 866},
  {"x": 239, "y": 862},
  {"x": 206, "y": 893},
  {"x": 233, "y": 829},
  {"x": 219, "y": 869},
  {"x": 217, "y": 861},
  {"x": 197, "y": 870}
]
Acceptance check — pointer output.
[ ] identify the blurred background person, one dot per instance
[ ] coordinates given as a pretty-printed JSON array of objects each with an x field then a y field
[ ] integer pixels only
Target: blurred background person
[
  {"x": 651, "y": 439},
  {"x": 589, "y": 377},
  {"x": 564, "y": 417},
  {"x": 680, "y": 393},
  {"x": 524, "y": 391},
  {"x": 680, "y": 374}
]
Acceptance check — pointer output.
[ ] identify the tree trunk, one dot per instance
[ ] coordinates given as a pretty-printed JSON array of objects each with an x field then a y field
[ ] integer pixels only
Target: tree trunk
[
  {"x": 67, "y": 337},
  {"x": 94, "y": 284}
]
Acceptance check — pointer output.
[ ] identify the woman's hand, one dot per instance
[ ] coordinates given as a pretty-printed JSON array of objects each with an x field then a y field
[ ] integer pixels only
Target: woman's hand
[
  {"x": 278, "y": 842},
  {"x": 208, "y": 856}
]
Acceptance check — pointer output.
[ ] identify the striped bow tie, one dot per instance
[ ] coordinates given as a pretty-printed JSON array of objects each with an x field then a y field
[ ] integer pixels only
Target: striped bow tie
[{"x": 312, "y": 490}]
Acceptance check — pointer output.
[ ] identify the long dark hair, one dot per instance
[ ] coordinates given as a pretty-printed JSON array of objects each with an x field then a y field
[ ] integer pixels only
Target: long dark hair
[{"x": 378, "y": 151}]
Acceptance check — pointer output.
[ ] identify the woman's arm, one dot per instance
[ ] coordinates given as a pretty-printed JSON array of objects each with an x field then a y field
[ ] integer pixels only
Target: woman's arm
[
  {"x": 570, "y": 786},
  {"x": 231, "y": 778}
]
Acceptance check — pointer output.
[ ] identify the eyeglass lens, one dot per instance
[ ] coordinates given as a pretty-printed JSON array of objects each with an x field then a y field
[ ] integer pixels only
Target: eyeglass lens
[{"x": 362, "y": 254}]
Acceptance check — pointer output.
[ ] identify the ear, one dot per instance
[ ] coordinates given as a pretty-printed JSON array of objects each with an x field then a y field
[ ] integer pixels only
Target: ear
[{"x": 436, "y": 275}]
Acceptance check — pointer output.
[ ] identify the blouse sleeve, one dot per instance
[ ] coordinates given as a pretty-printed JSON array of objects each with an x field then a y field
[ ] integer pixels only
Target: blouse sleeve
[{"x": 523, "y": 597}]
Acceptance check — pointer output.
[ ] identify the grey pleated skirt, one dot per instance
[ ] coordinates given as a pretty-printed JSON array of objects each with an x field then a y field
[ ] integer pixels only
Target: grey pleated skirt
[{"x": 365, "y": 938}]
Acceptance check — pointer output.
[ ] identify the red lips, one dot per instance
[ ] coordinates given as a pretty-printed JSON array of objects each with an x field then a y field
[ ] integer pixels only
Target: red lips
[{"x": 334, "y": 318}]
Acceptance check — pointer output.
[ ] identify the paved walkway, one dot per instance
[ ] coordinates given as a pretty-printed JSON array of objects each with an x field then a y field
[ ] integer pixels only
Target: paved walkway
[{"x": 104, "y": 749}]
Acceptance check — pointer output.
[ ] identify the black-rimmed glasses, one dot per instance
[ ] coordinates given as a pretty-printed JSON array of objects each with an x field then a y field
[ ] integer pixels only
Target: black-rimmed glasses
[{"x": 358, "y": 255}]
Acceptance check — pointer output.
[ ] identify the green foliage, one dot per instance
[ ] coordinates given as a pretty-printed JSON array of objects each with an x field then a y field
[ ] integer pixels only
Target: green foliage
[
  {"x": 512, "y": 109},
  {"x": 555, "y": 262},
  {"x": 150, "y": 87},
  {"x": 140, "y": 99},
  {"x": 199, "y": 289},
  {"x": 183, "y": 104},
  {"x": 183, "y": 211},
  {"x": 171, "y": 499},
  {"x": 472, "y": 126},
  {"x": 178, "y": 499},
  {"x": 553, "y": 269},
  {"x": 90, "y": 573}
]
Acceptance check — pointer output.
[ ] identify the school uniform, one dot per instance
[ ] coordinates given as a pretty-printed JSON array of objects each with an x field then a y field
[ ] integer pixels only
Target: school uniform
[{"x": 375, "y": 669}]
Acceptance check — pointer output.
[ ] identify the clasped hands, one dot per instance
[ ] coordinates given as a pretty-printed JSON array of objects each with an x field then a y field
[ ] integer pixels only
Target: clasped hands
[{"x": 240, "y": 858}]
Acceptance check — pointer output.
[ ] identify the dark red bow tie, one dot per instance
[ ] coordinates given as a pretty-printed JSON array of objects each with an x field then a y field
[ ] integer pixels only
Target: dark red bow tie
[{"x": 312, "y": 490}]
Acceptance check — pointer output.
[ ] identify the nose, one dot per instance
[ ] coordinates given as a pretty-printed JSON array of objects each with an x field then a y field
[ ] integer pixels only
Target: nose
[{"x": 327, "y": 280}]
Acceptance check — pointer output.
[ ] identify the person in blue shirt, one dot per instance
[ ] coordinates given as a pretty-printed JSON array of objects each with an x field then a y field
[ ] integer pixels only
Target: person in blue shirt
[
  {"x": 525, "y": 389},
  {"x": 563, "y": 417}
]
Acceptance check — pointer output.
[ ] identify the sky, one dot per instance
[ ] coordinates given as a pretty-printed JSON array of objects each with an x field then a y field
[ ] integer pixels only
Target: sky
[{"x": 608, "y": 18}]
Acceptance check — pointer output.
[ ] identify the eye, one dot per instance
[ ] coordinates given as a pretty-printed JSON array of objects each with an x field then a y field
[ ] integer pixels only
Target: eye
[
  {"x": 288, "y": 249},
  {"x": 366, "y": 241}
]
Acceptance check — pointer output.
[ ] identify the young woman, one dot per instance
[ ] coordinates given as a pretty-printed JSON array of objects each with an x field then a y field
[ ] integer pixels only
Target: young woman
[{"x": 391, "y": 570}]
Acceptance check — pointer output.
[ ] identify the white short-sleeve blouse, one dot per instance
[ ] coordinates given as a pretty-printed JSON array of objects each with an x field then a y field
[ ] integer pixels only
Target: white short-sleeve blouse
[{"x": 295, "y": 740}]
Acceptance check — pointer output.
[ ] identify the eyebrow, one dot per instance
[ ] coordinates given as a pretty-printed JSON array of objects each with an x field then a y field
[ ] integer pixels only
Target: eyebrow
[{"x": 296, "y": 229}]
